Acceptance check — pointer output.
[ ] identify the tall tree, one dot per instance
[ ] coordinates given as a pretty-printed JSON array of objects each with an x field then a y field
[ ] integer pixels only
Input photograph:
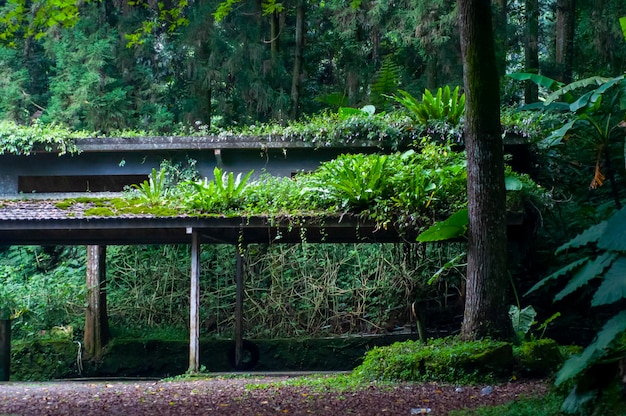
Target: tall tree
[
  {"x": 531, "y": 48},
  {"x": 500, "y": 31},
  {"x": 487, "y": 282},
  {"x": 565, "y": 27},
  {"x": 296, "y": 74}
]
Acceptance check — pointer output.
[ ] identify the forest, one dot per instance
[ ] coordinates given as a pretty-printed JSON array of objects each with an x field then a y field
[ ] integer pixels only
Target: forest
[{"x": 335, "y": 72}]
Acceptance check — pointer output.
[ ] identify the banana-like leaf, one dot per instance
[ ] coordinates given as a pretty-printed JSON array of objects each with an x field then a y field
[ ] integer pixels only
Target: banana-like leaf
[
  {"x": 590, "y": 235},
  {"x": 573, "y": 265},
  {"x": 613, "y": 288},
  {"x": 540, "y": 80},
  {"x": 577, "y": 363},
  {"x": 581, "y": 102},
  {"x": 614, "y": 236},
  {"x": 557, "y": 135},
  {"x": 555, "y": 106},
  {"x": 622, "y": 23},
  {"x": 595, "y": 80},
  {"x": 590, "y": 270}
]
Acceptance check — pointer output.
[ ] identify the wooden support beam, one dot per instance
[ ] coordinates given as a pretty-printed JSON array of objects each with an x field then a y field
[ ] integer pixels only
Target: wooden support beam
[
  {"x": 5, "y": 349},
  {"x": 239, "y": 282},
  {"x": 194, "y": 305},
  {"x": 96, "y": 318}
]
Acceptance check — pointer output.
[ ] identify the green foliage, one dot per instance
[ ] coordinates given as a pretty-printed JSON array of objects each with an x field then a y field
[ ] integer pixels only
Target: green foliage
[
  {"x": 453, "y": 227},
  {"x": 538, "y": 358},
  {"x": 522, "y": 319},
  {"x": 608, "y": 264},
  {"x": 386, "y": 82},
  {"x": 548, "y": 405},
  {"x": 222, "y": 193},
  {"x": 85, "y": 95},
  {"x": 445, "y": 105},
  {"x": 594, "y": 120},
  {"x": 354, "y": 180},
  {"x": 42, "y": 288},
  {"x": 153, "y": 190},
  {"x": 22, "y": 140},
  {"x": 14, "y": 101},
  {"x": 440, "y": 360}
]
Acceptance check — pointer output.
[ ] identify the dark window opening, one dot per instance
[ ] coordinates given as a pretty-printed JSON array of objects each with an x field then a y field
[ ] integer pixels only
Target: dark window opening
[{"x": 86, "y": 183}]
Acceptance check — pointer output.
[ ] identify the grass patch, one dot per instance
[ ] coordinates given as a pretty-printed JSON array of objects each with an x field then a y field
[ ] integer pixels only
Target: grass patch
[{"x": 548, "y": 405}]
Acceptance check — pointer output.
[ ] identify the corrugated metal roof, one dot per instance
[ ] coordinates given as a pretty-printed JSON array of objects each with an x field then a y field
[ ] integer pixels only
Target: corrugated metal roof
[{"x": 43, "y": 222}]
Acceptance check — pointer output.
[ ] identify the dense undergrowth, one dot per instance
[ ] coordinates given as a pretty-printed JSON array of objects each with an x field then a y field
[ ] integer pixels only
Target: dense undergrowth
[{"x": 291, "y": 290}]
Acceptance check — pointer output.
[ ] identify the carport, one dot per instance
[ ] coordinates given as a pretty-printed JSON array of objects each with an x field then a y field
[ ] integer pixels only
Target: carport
[{"x": 42, "y": 222}]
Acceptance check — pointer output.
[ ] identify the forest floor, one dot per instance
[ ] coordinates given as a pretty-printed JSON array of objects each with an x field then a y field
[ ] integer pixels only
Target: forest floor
[{"x": 250, "y": 395}]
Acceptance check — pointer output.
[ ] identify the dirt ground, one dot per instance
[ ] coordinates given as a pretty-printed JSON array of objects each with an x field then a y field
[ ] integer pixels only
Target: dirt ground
[{"x": 252, "y": 395}]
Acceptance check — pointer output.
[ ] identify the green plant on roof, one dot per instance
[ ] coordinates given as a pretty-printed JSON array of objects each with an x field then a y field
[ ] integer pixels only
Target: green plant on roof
[
  {"x": 354, "y": 182},
  {"x": 153, "y": 190},
  {"x": 225, "y": 191},
  {"x": 445, "y": 105}
]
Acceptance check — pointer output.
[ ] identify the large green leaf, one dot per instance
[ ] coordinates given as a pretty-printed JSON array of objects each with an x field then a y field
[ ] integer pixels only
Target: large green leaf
[
  {"x": 512, "y": 183},
  {"x": 540, "y": 80},
  {"x": 622, "y": 23},
  {"x": 583, "y": 83},
  {"x": 590, "y": 235},
  {"x": 522, "y": 319},
  {"x": 556, "y": 137},
  {"x": 614, "y": 236},
  {"x": 614, "y": 286},
  {"x": 597, "y": 349},
  {"x": 589, "y": 271},
  {"x": 453, "y": 227},
  {"x": 558, "y": 273}
]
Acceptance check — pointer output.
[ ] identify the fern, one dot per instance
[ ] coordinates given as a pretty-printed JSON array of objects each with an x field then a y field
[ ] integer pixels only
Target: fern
[
  {"x": 445, "y": 105},
  {"x": 387, "y": 81}
]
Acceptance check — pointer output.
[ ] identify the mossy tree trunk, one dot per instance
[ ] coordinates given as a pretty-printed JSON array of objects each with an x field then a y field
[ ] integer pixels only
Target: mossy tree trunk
[
  {"x": 96, "y": 319},
  {"x": 531, "y": 49},
  {"x": 565, "y": 27},
  {"x": 486, "y": 312}
]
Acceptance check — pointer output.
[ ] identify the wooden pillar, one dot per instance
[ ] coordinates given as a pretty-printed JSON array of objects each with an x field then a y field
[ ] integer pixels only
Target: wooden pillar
[
  {"x": 5, "y": 349},
  {"x": 239, "y": 308},
  {"x": 194, "y": 306},
  {"x": 96, "y": 319}
]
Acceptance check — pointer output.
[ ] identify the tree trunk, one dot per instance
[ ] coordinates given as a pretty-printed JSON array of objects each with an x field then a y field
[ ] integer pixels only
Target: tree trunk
[
  {"x": 297, "y": 63},
  {"x": 501, "y": 36},
  {"x": 565, "y": 25},
  {"x": 431, "y": 73},
  {"x": 486, "y": 311},
  {"x": 96, "y": 320},
  {"x": 274, "y": 36},
  {"x": 531, "y": 49}
]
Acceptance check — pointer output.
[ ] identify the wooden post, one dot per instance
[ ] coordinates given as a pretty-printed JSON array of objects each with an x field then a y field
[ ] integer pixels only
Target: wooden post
[
  {"x": 96, "y": 319},
  {"x": 239, "y": 307},
  {"x": 5, "y": 349},
  {"x": 194, "y": 306}
]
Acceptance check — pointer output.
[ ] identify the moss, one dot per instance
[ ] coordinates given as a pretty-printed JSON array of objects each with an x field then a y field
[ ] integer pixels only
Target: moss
[
  {"x": 445, "y": 360},
  {"x": 99, "y": 212},
  {"x": 539, "y": 358},
  {"x": 65, "y": 204},
  {"x": 43, "y": 360}
]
